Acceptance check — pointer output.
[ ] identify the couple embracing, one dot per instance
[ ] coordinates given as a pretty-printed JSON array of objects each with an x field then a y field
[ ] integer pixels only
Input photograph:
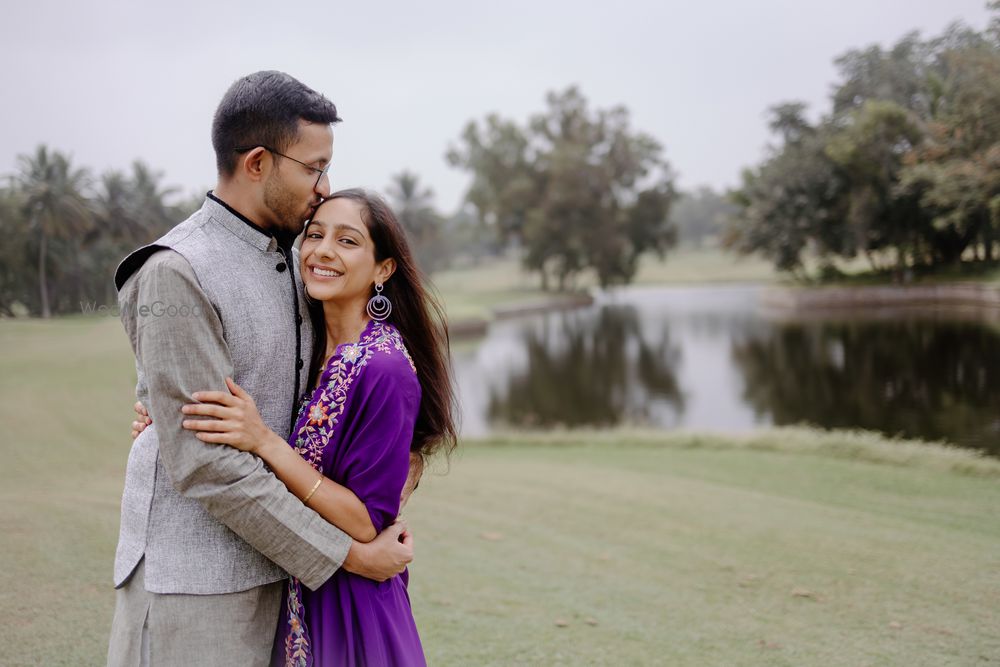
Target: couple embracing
[{"x": 294, "y": 395}]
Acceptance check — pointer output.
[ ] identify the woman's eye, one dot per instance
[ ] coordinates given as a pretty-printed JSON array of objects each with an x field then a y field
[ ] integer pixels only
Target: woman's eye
[
  {"x": 348, "y": 241},
  {"x": 314, "y": 235}
]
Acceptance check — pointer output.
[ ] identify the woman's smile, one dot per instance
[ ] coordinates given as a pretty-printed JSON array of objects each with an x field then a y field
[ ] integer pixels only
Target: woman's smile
[{"x": 325, "y": 272}]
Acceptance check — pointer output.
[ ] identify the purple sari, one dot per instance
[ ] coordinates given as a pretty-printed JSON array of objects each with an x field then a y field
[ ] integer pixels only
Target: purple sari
[{"x": 356, "y": 429}]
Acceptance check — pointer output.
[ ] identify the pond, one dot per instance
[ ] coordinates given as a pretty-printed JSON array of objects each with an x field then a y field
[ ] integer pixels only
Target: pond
[{"x": 716, "y": 358}]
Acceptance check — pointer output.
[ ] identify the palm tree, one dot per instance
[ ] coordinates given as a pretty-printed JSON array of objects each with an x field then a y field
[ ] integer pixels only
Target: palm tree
[
  {"x": 150, "y": 198},
  {"x": 13, "y": 230},
  {"x": 414, "y": 207},
  {"x": 115, "y": 211},
  {"x": 132, "y": 210},
  {"x": 55, "y": 204}
]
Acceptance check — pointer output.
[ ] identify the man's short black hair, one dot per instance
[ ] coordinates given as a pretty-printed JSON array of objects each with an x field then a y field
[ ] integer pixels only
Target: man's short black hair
[{"x": 264, "y": 109}]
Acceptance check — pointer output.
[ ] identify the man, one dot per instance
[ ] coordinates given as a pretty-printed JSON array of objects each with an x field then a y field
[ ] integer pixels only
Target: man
[{"x": 207, "y": 532}]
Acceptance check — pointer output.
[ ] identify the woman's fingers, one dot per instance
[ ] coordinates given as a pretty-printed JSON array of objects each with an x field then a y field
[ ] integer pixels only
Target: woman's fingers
[
  {"x": 221, "y": 397},
  {"x": 138, "y": 427},
  {"x": 236, "y": 389},
  {"x": 207, "y": 410},
  {"x": 215, "y": 438},
  {"x": 211, "y": 425}
]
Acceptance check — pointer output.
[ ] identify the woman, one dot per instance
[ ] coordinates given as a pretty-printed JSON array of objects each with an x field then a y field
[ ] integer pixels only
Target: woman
[{"x": 382, "y": 393}]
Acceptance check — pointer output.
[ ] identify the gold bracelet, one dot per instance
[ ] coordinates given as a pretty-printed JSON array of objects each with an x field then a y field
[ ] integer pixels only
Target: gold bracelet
[{"x": 315, "y": 486}]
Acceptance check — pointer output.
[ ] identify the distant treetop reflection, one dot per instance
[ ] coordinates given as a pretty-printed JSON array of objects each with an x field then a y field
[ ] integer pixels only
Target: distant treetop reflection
[
  {"x": 915, "y": 378},
  {"x": 709, "y": 359},
  {"x": 601, "y": 373}
]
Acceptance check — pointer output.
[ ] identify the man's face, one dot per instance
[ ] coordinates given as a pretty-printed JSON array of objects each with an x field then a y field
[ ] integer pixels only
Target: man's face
[{"x": 291, "y": 191}]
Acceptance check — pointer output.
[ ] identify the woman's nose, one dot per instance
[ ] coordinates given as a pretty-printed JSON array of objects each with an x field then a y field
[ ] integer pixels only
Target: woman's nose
[{"x": 327, "y": 249}]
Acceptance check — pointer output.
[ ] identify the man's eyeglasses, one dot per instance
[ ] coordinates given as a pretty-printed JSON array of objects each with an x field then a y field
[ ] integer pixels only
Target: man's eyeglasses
[{"x": 320, "y": 173}]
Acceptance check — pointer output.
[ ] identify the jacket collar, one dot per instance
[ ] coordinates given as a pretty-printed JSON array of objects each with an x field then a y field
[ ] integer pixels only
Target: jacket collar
[{"x": 244, "y": 228}]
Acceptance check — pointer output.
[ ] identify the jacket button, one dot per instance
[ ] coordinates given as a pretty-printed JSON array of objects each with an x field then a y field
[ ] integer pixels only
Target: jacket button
[
  {"x": 299, "y": 364},
  {"x": 281, "y": 267},
  {"x": 298, "y": 320}
]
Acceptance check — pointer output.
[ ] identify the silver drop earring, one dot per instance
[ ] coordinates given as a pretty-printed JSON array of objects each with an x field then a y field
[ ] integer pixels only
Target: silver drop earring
[{"x": 379, "y": 307}]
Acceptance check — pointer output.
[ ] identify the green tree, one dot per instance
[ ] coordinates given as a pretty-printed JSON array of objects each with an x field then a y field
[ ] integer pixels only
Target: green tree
[
  {"x": 869, "y": 149},
  {"x": 793, "y": 201},
  {"x": 414, "y": 206},
  {"x": 505, "y": 181},
  {"x": 53, "y": 195},
  {"x": 16, "y": 285},
  {"x": 64, "y": 234},
  {"x": 701, "y": 215},
  {"x": 903, "y": 74},
  {"x": 130, "y": 210},
  {"x": 904, "y": 164},
  {"x": 954, "y": 174},
  {"x": 133, "y": 209},
  {"x": 578, "y": 188}
]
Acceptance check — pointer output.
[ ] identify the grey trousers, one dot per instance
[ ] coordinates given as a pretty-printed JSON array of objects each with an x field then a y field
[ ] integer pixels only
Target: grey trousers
[{"x": 168, "y": 630}]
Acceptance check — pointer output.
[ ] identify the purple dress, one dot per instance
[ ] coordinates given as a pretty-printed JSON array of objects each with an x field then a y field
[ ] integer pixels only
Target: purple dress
[{"x": 357, "y": 428}]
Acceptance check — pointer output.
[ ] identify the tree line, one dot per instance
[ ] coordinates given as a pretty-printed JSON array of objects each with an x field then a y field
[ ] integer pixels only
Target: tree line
[
  {"x": 65, "y": 229},
  {"x": 903, "y": 169},
  {"x": 573, "y": 190}
]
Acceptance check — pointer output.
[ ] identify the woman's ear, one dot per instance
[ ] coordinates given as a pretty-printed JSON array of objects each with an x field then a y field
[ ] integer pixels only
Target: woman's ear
[{"x": 385, "y": 270}]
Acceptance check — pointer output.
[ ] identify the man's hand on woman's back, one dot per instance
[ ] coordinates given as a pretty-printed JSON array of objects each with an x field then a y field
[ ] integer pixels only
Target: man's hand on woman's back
[{"x": 385, "y": 556}]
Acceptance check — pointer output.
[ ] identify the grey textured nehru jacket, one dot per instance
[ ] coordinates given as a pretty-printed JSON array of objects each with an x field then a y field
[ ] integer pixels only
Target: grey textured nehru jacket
[{"x": 213, "y": 297}]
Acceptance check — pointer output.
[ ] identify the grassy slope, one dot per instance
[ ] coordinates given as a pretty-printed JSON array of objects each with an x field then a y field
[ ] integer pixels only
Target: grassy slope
[
  {"x": 691, "y": 555},
  {"x": 65, "y": 389},
  {"x": 677, "y": 548}
]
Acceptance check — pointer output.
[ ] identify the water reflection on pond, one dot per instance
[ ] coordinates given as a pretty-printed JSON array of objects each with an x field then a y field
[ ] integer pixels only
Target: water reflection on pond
[{"x": 713, "y": 358}]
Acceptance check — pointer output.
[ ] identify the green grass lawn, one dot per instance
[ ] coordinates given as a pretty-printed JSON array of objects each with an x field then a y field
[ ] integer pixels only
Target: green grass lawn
[
  {"x": 685, "y": 266},
  {"x": 687, "y": 555},
  {"x": 780, "y": 548}
]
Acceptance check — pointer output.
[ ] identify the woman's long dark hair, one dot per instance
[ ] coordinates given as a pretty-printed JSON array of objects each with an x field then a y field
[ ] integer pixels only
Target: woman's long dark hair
[{"x": 418, "y": 316}]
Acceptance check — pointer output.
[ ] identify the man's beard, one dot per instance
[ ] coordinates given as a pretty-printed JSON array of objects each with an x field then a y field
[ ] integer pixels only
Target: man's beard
[{"x": 288, "y": 212}]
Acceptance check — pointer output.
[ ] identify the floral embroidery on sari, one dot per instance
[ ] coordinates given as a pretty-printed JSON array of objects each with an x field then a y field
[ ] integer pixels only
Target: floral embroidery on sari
[
  {"x": 318, "y": 414},
  {"x": 314, "y": 435},
  {"x": 311, "y": 440},
  {"x": 297, "y": 649}
]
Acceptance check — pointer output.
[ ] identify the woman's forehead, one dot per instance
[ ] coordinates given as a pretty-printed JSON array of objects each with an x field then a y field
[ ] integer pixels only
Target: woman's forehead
[{"x": 340, "y": 213}]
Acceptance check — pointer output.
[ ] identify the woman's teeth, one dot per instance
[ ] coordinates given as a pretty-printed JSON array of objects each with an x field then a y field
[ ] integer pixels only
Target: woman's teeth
[{"x": 325, "y": 273}]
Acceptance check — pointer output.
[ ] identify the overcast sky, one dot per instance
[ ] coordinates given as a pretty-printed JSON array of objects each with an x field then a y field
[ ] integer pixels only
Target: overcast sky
[{"x": 109, "y": 82}]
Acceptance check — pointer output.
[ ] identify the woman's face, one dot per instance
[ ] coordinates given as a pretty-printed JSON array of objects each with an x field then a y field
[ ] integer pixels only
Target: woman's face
[{"x": 338, "y": 255}]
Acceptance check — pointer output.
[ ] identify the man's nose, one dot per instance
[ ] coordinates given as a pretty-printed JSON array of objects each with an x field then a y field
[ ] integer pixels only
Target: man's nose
[{"x": 323, "y": 186}]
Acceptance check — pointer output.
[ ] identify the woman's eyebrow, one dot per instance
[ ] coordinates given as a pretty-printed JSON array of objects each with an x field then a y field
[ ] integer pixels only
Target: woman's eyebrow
[{"x": 341, "y": 227}]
